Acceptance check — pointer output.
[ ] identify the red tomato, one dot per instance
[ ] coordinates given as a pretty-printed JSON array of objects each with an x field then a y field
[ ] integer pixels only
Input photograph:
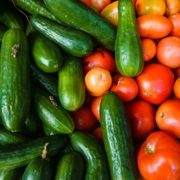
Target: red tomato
[
  {"x": 154, "y": 26},
  {"x": 98, "y": 81},
  {"x": 177, "y": 88},
  {"x": 99, "y": 58},
  {"x": 168, "y": 51},
  {"x": 125, "y": 87},
  {"x": 97, "y": 133},
  {"x": 142, "y": 118},
  {"x": 175, "y": 19},
  {"x": 177, "y": 72},
  {"x": 84, "y": 119},
  {"x": 173, "y": 7},
  {"x": 168, "y": 117},
  {"x": 159, "y": 157},
  {"x": 155, "y": 83}
]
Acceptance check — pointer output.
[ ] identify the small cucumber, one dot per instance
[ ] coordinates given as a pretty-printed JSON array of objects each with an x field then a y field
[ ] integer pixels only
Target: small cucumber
[
  {"x": 94, "y": 155},
  {"x": 117, "y": 138},
  {"x": 71, "y": 88},
  {"x": 46, "y": 54},
  {"x": 12, "y": 157},
  {"x": 14, "y": 174},
  {"x": 70, "y": 167},
  {"x": 52, "y": 114},
  {"x": 72, "y": 41},
  {"x": 14, "y": 79}
]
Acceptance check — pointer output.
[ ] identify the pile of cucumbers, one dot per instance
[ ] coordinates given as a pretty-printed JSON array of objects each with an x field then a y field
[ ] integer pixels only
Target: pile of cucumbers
[{"x": 41, "y": 81}]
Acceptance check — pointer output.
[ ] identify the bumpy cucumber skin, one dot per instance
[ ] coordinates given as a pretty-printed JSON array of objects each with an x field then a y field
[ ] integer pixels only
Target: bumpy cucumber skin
[
  {"x": 128, "y": 53},
  {"x": 117, "y": 138},
  {"x": 14, "y": 79}
]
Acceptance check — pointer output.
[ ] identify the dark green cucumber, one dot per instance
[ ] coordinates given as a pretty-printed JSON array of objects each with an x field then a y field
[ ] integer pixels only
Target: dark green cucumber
[
  {"x": 94, "y": 155},
  {"x": 128, "y": 53},
  {"x": 48, "y": 131},
  {"x": 70, "y": 167},
  {"x": 70, "y": 40},
  {"x": 3, "y": 29},
  {"x": 7, "y": 137},
  {"x": 38, "y": 169},
  {"x": 52, "y": 114},
  {"x": 117, "y": 138},
  {"x": 14, "y": 79},
  {"x": 71, "y": 88},
  {"x": 46, "y": 81},
  {"x": 78, "y": 15},
  {"x": 14, "y": 174},
  {"x": 46, "y": 54},
  {"x": 12, "y": 157}
]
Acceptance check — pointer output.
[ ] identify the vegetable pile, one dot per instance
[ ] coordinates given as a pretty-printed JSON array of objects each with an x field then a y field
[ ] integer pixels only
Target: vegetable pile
[{"x": 90, "y": 89}]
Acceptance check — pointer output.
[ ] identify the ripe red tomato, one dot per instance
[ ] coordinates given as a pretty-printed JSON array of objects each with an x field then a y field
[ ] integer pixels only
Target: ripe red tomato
[
  {"x": 168, "y": 116},
  {"x": 155, "y": 83},
  {"x": 159, "y": 157},
  {"x": 84, "y": 119},
  {"x": 97, "y": 133},
  {"x": 142, "y": 118}
]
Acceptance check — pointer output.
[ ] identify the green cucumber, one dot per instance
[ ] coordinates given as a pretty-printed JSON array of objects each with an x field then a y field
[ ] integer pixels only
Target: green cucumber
[
  {"x": 38, "y": 169},
  {"x": 72, "y": 41},
  {"x": 94, "y": 155},
  {"x": 12, "y": 157},
  {"x": 117, "y": 138},
  {"x": 78, "y": 15},
  {"x": 45, "y": 53},
  {"x": 52, "y": 114},
  {"x": 48, "y": 131},
  {"x": 128, "y": 53},
  {"x": 14, "y": 174},
  {"x": 71, "y": 88},
  {"x": 44, "y": 80},
  {"x": 14, "y": 79}
]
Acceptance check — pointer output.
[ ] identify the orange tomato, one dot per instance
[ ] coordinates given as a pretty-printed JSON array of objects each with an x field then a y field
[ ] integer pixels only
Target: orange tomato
[
  {"x": 148, "y": 49},
  {"x": 168, "y": 117},
  {"x": 151, "y": 7},
  {"x": 154, "y": 26},
  {"x": 125, "y": 87},
  {"x": 177, "y": 88},
  {"x": 175, "y": 19},
  {"x": 98, "y": 81},
  {"x": 159, "y": 157},
  {"x": 173, "y": 7},
  {"x": 168, "y": 51}
]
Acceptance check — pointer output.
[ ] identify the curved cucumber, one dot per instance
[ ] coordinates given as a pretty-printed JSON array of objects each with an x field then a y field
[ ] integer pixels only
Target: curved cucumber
[{"x": 14, "y": 174}]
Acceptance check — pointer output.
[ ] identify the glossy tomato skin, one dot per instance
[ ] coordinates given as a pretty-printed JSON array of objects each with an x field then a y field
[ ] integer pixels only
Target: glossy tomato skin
[
  {"x": 168, "y": 117},
  {"x": 154, "y": 26},
  {"x": 159, "y": 157},
  {"x": 175, "y": 19},
  {"x": 155, "y": 83}
]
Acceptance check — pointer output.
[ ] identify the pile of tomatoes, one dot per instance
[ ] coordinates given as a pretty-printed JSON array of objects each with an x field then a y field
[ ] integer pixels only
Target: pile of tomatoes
[{"x": 152, "y": 99}]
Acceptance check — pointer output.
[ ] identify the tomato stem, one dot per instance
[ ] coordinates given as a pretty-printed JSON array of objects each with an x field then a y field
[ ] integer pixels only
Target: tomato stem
[{"x": 150, "y": 148}]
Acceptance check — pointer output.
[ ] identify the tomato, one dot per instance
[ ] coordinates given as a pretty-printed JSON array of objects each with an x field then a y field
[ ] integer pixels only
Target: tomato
[
  {"x": 168, "y": 51},
  {"x": 168, "y": 117},
  {"x": 125, "y": 87},
  {"x": 177, "y": 88},
  {"x": 177, "y": 72},
  {"x": 142, "y": 118},
  {"x": 175, "y": 19},
  {"x": 97, "y": 133},
  {"x": 173, "y": 7},
  {"x": 154, "y": 26},
  {"x": 99, "y": 58},
  {"x": 148, "y": 49},
  {"x": 110, "y": 13},
  {"x": 95, "y": 107},
  {"x": 84, "y": 119},
  {"x": 152, "y": 7},
  {"x": 98, "y": 81},
  {"x": 155, "y": 83},
  {"x": 159, "y": 157}
]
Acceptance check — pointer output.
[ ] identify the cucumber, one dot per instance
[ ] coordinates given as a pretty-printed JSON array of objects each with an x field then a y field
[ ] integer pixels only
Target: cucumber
[
  {"x": 14, "y": 174},
  {"x": 76, "y": 14},
  {"x": 3, "y": 29},
  {"x": 72, "y": 41},
  {"x": 117, "y": 138},
  {"x": 71, "y": 87},
  {"x": 12, "y": 157},
  {"x": 45, "y": 53},
  {"x": 7, "y": 137},
  {"x": 38, "y": 169},
  {"x": 93, "y": 153},
  {"x": 52, "y": 114},
  {"x": 48, "y": 131},
  {"x": 14, "y": 79},
  {"x": 44, "y": 80},
  {"x": 70, "y": 167},
  {"x": 128, "y": 53}
]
